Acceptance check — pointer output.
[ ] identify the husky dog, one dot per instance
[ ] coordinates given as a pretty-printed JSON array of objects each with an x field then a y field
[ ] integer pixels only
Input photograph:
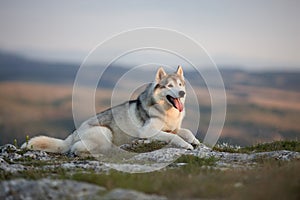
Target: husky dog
[{"x": 156, "y": 114}]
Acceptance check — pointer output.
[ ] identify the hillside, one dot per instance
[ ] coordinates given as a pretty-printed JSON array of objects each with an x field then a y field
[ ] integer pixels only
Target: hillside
[
  {"x": 36, "y": 99},
  {"x": 17, "y": 68}
]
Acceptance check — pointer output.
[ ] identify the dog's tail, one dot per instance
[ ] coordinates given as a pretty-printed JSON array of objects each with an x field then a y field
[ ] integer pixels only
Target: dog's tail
[{"x": 49, "y": 144}]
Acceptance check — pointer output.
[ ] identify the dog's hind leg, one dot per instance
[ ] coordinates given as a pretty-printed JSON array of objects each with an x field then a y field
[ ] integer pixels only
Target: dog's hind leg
[
  {"x": 94, "y": 140},
  {"x": 80, "y": 149}
]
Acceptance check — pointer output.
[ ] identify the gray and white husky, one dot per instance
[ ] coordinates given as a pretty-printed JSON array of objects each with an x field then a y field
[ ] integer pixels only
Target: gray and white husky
[{"x": 156, "y": 114}]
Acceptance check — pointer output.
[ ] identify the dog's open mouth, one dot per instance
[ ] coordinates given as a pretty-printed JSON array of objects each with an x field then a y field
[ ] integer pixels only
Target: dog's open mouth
[{"x": 175, "y": 102}]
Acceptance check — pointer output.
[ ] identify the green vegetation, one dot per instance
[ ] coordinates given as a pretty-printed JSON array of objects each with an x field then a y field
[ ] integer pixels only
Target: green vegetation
[
  {"x": 145, "y": 147},
  {"x": 202, "y": 183},
  {"x": 15, "y": 143},
  {"x": 27, "y": 139},
  {"x": 56, "y": 172},
  {"x": 273, "y": 146}
]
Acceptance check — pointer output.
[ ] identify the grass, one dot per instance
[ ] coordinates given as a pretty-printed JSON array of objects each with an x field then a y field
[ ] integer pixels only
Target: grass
[
  {"x": 274, "y": 180},
  {"x": 263, "y": 147},
  {"x": 274, "y": 146},
  {"x": 145, "y": 147}
]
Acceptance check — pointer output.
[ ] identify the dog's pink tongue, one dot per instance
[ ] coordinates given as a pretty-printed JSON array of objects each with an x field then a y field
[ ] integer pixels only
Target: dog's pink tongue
[{"x": 178, "y": 104}]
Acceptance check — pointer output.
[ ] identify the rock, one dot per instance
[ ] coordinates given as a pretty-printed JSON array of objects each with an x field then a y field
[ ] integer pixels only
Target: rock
[
  {"x": 64, "y": 189},
  {"x": 10, "y": 168},
  {"x": 164, "y": 155},
  {"x": 279, "y": 155},
  {"x": 95, "y": 166},
  {"x": 47, "y": 189},
  {"x": 136, "y": 168},
  {"x": 8, "y": 148},
  {"x": 117, "y": 194},
  {"x": 9, "y": 151},
  {"x": 37, "y": 155},
  {"x": 12, "y": 159}
]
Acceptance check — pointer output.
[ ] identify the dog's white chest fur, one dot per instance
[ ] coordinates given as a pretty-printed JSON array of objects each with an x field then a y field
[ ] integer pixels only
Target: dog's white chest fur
[{"x": 173, "y": 120}]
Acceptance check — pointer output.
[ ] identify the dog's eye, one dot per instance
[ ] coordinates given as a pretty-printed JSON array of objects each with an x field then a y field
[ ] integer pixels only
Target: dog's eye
[
  {"x": 170, "y": 85},
  {"x": 180, "y": 84}
]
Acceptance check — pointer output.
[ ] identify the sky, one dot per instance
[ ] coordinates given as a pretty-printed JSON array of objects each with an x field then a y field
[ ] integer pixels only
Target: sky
[{"x": 256, "y": 34}]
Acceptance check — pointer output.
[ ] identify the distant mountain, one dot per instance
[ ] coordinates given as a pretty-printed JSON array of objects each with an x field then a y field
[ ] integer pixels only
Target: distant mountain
[
  {"x": 17, "y": 68},
  {"x": 281, "y": 80}
]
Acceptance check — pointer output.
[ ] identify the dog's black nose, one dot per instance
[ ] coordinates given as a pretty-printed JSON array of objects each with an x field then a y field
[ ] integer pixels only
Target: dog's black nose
[{"x": 181, "y": 93}]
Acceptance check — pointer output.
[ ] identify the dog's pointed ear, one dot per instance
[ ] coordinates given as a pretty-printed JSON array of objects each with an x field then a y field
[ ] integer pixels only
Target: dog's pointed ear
[
  {"x": 160, "y": 74},
  {"x": 179, "y": 71}
]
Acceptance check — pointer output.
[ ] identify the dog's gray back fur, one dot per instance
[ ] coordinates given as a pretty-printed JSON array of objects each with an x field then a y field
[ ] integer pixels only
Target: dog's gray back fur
[{"x": 120, "y": 115}]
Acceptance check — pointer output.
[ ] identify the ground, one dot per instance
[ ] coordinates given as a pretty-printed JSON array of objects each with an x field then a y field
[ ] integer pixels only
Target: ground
[{"x": 265, "y": 171}]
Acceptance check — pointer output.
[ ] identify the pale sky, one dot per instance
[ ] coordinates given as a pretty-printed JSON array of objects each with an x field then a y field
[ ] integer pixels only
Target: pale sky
[{"x": 256, "y": 34}]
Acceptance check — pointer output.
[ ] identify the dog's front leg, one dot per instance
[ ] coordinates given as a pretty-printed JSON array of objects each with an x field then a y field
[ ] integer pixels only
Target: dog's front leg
[
  {"x": 188, "y": 136},
  {"x": 172, "y": 139},
  {"x": 152, "y": 131}
]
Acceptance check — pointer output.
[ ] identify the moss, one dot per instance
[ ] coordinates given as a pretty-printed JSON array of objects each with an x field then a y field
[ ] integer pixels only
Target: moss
[
  {"x": 145, "y": 147},
  {"x": 273, "y": 146},
  {"x": 27, "y": 161},
  {"x": 225, "y": 149},
  {"x": 36, "y": 174}
]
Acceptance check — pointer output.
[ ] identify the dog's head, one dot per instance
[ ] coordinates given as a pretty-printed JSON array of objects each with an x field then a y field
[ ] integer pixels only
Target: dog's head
[{"x": 169, "y": 89}]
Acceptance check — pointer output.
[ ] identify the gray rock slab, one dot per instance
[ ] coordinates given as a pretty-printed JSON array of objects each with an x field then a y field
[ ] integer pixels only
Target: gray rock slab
[
  {"x": 138, "y": 162},
  {"x": 65, "y": 189},
  {"x": 123, "y": 194},
  {"x": 48, "y": 189}
]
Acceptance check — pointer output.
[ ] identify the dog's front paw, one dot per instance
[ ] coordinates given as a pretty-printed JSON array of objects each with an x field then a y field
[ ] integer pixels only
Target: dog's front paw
[
  {"x": 195, "y": 143},
  {"x": 183, "y": 144},
  {"x": 187, "y": 146},
  {"x": 179, "y": 142}
]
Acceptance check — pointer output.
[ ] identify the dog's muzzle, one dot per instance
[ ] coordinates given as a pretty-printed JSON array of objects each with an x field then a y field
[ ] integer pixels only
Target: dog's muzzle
[{"x": 175, "y": 102}]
